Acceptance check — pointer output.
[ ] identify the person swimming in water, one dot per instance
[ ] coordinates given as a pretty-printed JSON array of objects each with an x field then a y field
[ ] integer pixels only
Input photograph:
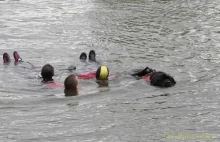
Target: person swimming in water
[
  {"x": 7, "y": 59},
  {"x": 71, "y": 82},
  {"x": 71, "y": 85},
  {"x": 156, "y": 78},
  {"x": 47, "y": 73},
  {"x": 101, "y": 75}
]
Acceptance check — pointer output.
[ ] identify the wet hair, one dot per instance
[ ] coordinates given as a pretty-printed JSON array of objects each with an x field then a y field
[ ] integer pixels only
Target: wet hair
[
  {"x": 71, "y": 85},
  {"x": 83, "y": 56},
  {"x": 92, "y": 55},
  {"x": 162, "y": 79},
  {"x": 47, "y": 72},
  {"x": 102, "y": 73}
]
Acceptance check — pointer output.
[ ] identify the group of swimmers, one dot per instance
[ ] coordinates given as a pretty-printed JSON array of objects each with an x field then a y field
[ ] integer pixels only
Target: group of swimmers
[{"x": 156, "y": 78}]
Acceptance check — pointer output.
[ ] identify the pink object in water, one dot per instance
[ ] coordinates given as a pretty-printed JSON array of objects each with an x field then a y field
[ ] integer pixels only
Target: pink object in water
[{"x": 87, "y": 76}]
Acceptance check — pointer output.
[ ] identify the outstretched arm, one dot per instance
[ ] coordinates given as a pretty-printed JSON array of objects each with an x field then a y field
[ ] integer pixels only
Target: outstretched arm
[{"x": 144, "y": 72}]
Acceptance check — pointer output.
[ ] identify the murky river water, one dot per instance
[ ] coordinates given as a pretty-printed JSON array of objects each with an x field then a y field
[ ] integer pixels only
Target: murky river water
[{"x": 180, "y": 37}]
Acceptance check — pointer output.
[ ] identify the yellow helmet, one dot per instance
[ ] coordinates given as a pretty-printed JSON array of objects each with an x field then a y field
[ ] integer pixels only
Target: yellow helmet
[{"x": 102, "y": 73}]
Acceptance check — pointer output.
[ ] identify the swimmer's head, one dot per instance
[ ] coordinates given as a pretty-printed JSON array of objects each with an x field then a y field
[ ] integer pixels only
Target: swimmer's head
[
  {"x": 83, "y": 56},
  {"x": 92, "y": 55},
  {"x": 102, "y": 73},
  {"x": 6, "y": 58},
  {"x": 71, "y": 85},
  {"x": 47, "y": 72},
  {"x": 16, "y": 56}
]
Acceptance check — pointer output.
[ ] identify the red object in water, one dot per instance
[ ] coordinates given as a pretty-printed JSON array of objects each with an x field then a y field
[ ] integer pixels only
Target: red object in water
[
  {"x": 87, "y": 76},
  {"x": 147, "y": 77},
  {"x": 92, "y": 74}
]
